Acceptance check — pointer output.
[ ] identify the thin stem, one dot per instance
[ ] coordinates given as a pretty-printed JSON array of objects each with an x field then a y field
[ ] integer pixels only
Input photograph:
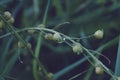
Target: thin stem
[
  {"x": 46, "y": 11},
  {"x": 73, "y": 78},
  {"x": 35, "y": 70},
  {"x": 58, "y": 26},
  {"x": 108, "y": 44},
  {"x": 39, "y": 41},
  {"x": 105, "y": 68},
  {"x": 82, "y": 37},
  {"x": 13, "y": 31},
  {"x": 67, "y": 37},
  {"x": 100, "y": 49},
  {"x": 99, "y": 54},
  {"x": 117, "y": 66},
  {"x": 36, "y": 8}
]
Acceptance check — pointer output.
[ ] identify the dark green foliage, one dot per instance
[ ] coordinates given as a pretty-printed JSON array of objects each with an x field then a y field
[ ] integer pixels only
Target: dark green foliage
[{"x": 74, "y": 18}]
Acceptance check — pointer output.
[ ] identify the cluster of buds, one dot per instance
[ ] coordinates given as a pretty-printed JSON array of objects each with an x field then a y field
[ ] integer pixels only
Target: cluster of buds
[
  {"x": 7, "y": 15},
  {"x": 54, "y": 37},
  {"x": 77, "y": 48},
  {"x": 32, "y": 31},
  {"x": 21, "y": 45}
]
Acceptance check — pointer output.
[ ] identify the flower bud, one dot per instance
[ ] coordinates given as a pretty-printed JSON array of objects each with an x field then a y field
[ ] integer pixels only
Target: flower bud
[
  {"x": 50, "y": 76},
  {"x": 77, "y": 48},
  {"x": 7, "y": 14},
  {"x": 29, "y": 45},
  {"x": 20, "y": 44},
  {"x": 49, "y": 36},
  {"x": 11, "y": 20},
  {"x": 57, "y": 37},
  {"x": 31, "y": 31},
  {"x": 41, "y": 25},
  {"x": 99, "y": 70},
  {"x": 99, "y": 34}
]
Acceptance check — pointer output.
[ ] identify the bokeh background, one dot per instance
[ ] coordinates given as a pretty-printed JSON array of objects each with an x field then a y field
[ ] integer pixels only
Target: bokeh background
[{"x": 85, "y": 17}]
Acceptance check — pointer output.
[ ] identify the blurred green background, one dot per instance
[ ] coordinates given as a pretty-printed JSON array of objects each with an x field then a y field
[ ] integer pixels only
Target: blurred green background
[{"x": 85, "y": 17}]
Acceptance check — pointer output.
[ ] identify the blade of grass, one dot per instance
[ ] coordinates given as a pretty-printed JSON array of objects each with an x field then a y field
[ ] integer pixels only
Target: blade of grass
[
  {"x": 69, "y": 68},
  {"x": 58, "y": 6},
  {"x": 108, "y": 44},
  {"x": 36, "y": 8},
  {"x": 4, "y": 55},
  {"x": 46, "y": 11},
  {"x": 95, "y": 13},
  {"x": 117, "y": 66},
  {"x": 37, "y": 50},
  {"x": 11, "y": 63}
]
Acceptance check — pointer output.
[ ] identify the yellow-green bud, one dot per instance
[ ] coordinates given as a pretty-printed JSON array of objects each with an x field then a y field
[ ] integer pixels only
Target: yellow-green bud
[
  {"x": 41, "y": 25},
  {"x": 20, "y": 44},
  {"x": 57, "y": 37},
  {"x": 99, "y": 34},
  {"x": 29, "y": 45},
  {"x": 31, "y": 31},
  {"x": 11, "y": 20},
  {"x": 77, "y": 48},
  {"x": 50, "y": 76},
  {"x": 99, "y": 70},
  {"x": 49, "y": 36},
  {"x": 7, "y": 14}
]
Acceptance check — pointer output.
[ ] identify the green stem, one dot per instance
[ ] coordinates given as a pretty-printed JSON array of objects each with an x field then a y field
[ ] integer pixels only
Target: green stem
[
  {"x": 117, "y": 65},
  {"x": 46, "y": 11},
  {"x": 35, "y": 70},
  {"x": 38, "y": 46},
  {"x": 108, "y": 44},
  {"x": 36, "y": 8},
  {"x": 100, "y": 49},
  {"x": 94, "y": 58},
  {"x": 15, "y": 33},
  {"x": 107, "y": 70}
]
